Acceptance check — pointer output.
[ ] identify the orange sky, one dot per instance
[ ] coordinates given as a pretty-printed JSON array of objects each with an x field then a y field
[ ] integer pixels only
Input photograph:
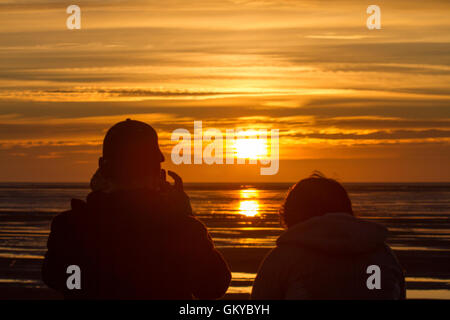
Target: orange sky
[{"x": 358, "y": 105}]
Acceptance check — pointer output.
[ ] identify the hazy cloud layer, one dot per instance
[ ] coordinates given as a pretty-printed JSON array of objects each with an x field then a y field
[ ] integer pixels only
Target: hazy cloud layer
[{"x": 309, "y": 68}]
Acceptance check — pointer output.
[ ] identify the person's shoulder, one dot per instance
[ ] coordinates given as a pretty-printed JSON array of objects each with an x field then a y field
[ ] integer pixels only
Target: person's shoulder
[
  {"x": 193, "y": 224},
  {"x": 60, "y": 221},
  {"x": 189, "y": 227},
  {"x": 389, "y": 257},
  {"x": 77, "y": 206},
  {"x": 284, "y": 258}
]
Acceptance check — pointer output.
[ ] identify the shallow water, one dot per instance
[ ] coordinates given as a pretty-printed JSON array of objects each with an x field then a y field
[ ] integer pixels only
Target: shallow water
[{"x": 245, "y": 216}]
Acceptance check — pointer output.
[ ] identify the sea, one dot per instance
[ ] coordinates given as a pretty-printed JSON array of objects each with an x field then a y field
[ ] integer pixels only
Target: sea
[{"x": 243, "y": 217}]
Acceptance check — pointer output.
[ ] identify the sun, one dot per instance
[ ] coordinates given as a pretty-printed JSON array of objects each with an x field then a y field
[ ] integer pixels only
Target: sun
[{"x": 250, "y": 148}]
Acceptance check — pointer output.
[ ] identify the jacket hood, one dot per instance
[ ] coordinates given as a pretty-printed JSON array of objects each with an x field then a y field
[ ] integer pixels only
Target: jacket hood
[{"x": 336, "y": 233}]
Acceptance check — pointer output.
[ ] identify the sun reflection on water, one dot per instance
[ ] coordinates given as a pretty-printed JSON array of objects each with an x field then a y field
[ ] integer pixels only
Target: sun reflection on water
[{"x": 250, "y": 206}]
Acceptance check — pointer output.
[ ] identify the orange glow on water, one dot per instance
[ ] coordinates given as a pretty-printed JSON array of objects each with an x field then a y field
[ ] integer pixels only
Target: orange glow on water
[{"x": 250, "y": 206}]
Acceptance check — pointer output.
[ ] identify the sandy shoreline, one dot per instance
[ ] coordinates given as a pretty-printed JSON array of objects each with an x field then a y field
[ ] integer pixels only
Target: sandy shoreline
[
  {"x": 420, "y": 243},
  {"x": 417, "y": 263}
]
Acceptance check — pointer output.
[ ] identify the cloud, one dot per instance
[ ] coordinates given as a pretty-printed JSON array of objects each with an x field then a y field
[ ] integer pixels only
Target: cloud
[
  {"x": 309, "y": 68},
  {"x": 337, "y": 37}
]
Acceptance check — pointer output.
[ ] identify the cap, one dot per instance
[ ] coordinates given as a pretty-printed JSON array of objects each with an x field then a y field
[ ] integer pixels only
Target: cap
[{"x": 130, "y": 138}]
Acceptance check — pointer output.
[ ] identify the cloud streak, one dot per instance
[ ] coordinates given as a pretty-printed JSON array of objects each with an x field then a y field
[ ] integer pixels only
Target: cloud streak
[{"x": 308, "y": 68}]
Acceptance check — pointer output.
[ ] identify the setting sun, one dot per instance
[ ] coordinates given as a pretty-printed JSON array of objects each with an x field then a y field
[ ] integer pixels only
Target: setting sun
[{"x": 250, "y": 148}]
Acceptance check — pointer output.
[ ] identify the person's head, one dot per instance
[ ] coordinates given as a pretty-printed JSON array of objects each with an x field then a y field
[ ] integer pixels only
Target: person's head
[
  {"x": 312, "y": 197},
  {"x": 131, "y": 153}
]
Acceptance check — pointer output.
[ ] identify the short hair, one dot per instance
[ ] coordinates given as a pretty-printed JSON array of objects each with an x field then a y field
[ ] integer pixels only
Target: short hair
[{"x": 312, "y": 197}]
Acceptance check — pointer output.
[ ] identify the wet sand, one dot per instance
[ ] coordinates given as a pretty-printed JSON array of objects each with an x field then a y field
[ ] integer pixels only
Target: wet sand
[
  {"x": 417, "y": 263},
  {"x": 423, "y": 269}
]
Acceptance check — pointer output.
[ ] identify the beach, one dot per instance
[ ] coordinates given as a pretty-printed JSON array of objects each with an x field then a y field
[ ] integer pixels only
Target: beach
[{"x": 244, "y": 224}]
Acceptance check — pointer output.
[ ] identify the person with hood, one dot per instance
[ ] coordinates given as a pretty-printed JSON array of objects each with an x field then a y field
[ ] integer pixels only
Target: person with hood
[
  {"x": 326, "y": 251},
  {"x": 135, "y": 236}
]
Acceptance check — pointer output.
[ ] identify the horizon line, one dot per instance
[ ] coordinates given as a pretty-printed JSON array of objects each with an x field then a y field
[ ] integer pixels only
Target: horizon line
[{"x": 243, "y": 182}]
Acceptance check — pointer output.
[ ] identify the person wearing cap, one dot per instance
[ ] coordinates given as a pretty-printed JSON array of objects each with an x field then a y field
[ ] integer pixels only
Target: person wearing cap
[{"x": 135, "y": 236}]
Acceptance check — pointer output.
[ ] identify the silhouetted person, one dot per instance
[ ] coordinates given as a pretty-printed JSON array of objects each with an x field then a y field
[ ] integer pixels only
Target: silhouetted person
[
  {"x": 325, "y": 252},
  {"x": 135, "y": 236}
]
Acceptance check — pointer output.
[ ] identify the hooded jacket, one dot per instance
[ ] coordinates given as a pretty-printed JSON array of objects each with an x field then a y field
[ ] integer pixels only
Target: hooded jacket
[
  {"x": 133, "y": 244},
  {"x": 327, "y": 257}
]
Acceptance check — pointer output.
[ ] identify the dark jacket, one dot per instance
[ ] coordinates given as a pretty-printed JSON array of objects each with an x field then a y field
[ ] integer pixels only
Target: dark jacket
[
  {"x": 327, "y": 258},
  {"x": 133, "y": 245}
]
